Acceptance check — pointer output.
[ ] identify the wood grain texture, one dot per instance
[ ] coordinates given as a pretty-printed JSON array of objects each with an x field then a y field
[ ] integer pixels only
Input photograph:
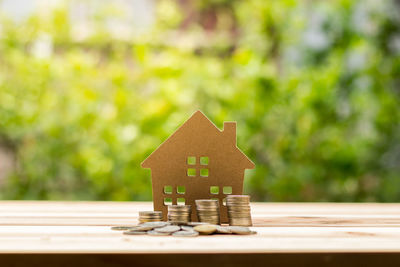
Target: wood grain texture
[
  {"x": 200, "y": 260},
  {"x": 264, "y": 214},
  {"x": 84, "y": 228}
]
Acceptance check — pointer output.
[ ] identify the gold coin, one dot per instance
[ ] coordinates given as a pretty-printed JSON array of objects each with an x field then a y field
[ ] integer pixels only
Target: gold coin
[{"x": 205, "y": 229}]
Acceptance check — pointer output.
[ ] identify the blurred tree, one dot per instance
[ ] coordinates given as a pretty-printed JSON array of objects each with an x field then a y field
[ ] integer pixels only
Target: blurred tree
[{"x": 313, "y": 85}]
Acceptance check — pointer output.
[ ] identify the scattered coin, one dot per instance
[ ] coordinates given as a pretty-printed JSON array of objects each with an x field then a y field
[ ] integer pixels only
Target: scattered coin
[
  {"x": 168, "y": 229},
  {"x": 154, "y": 224},
  {"x": 122, "y": 228},
  {"x": 240, "y": 230},
  {"x": 187, "y": 228},
  {"x": 184, "y": 233},
  {"x": 155, "y": 233},
  {"x": 223, "y": 230},
  {"x": 196, "y": 223},
  {"x": 205, "y": 229},
  {"x": 135, "y": 232},
  {"x": 208, "y": 213},
  {"x": 144, "y": 228}
]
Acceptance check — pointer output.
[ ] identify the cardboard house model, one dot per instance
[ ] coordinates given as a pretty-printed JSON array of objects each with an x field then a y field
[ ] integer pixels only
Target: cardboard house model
[{"x": 198, "y": 161}]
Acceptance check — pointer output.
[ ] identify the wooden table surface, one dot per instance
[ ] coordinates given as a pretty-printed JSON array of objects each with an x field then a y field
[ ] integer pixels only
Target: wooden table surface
[{"x": 312, "y": 233}]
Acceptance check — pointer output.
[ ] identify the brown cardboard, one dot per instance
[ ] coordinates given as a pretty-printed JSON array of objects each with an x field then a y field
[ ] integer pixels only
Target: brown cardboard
[{"x": 198, "y": 137}]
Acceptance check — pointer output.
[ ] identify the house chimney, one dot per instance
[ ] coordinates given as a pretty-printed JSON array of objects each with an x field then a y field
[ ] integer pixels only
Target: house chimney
[{"x": 230, "y": 131}]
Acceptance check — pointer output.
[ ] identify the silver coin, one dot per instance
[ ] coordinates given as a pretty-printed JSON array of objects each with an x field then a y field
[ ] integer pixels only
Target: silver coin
[
  {"x": 238, "y": 197},
  {"x": 179, "y": 208},
  {"x": 187, "y": 228},
  {"x": 168, "y": 229},
  {"x": 186, "y": 233},
  {"x": 144, "y": 228},
  {"x": 223, "y": 230},
  {"x": 135, "y": 232},
  {"x": 195, "y": 223},
  {"x": 240, "y": 230},
  {"x": 154, "y": 224},
  {"x": 122, "y": 228},
  {"x": 155, "y": 233},
  {"x": 206, "y": 202}
]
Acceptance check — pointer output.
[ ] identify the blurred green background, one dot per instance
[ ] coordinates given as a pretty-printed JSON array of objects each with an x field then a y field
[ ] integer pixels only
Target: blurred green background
[{"x": 88, "y": 89}]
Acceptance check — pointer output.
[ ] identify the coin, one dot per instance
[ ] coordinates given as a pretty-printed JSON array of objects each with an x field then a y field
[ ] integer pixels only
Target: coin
[
  {"x": 240, "y": 230},
  {"x": 235, "y": 216},
  {"x": 150, "y": 216},
  {"x": 122, "y": 228},
  {"x": 179, "y": 214},
  {"x": 155, "y": 233},
  {"x": 187, "y": 228},
  {"x": 186, "y": 208},
  {"x": 223, "y": 230},
  {"x": 205, "y": 229},
  {"x": 196, "y": 223},
  {"x": 208, "y": 210},
  {"x": 184, "y": 233},
  {"x": 238, "y": 197},
  {"x": 155, "y": 224},
  {"x": 150, "y": 213},
  {"x": 135, "y": 232},
  {"x": 239, "y": 213},
  {"x": 204, "y": 202},
  {"x": 144, "y": 228},
  {"x": 168, "y": 229},
  {"x": 240, "y": 221}
]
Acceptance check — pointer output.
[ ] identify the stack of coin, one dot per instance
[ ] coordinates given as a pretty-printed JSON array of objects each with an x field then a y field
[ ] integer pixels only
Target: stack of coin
[
  {"x": 239, "y": 210},
  {"x": 150, "y": 216},
  {"x": 208, "y": 210},
  {"x": 179, "y": 214}
]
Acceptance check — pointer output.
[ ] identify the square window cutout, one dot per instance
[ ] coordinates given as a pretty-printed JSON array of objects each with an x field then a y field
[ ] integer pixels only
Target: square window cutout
[
  {"x": 214, "y": 190},
  {"x": 204, "y": 172},
  {"x": 167, "y": 201},
  {"x": 168, "y": 189},
  {"x": 191, "y": 172},
  {"x": 180, "y": 201},
  {"x": 224, "y": 202},
  {"x": 180, "y": 189},
  {"x": 191, "y": 160},
  {"x": 204, "y": 160},
  {"x": 227, "y": 190}
]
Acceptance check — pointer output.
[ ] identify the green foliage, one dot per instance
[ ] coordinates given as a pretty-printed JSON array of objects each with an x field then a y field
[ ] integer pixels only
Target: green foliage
[{"x": 313, "y": 85}]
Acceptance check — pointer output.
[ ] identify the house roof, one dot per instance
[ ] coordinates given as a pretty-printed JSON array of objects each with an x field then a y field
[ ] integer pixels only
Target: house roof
[{"x": 197, "y": 123}]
